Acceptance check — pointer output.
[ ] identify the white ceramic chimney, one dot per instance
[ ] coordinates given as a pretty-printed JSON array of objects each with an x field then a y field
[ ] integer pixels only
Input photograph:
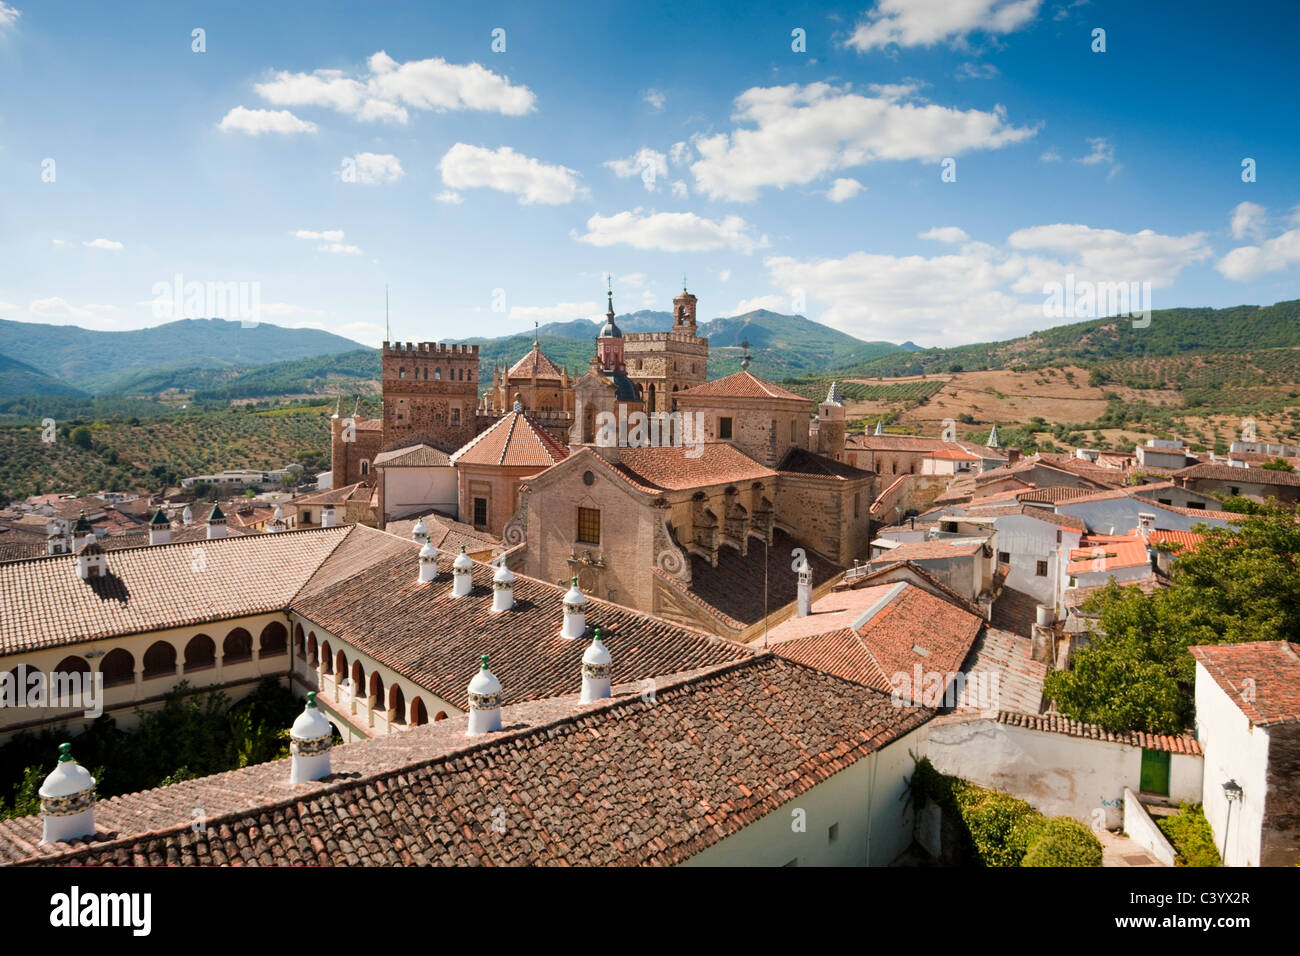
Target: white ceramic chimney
[
  {"x": 503, "y": 588},
  {"x": 328, "y": 518},
  {"x": 596, "y": 665},
  {"x": 805, "y": 589},
  {"x": 575, "y": 613},
  {"x": 462, "y": 574},
  {"x": 310, "y": 739},
  {"x": 67, "y": 801},
  {"x": 428, "y": 563},
  {"x": 484, "y": 701},
  {"x": 92, "y": 562}
]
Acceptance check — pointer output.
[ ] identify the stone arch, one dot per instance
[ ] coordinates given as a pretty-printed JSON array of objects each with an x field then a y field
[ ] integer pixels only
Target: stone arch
[
  {"x": 72, "y": 664},
  {"x": 311, "y": 649},
  {"x": 118, "y": 667},
  {"x": 299, "y": 641},
  {"x": 26, "y": 685},
  {"x": 200, "y": 653},
  {"x": 358, "y": 680},
  {"x": 160, "y": 660},
  {"x": 341, "y": 665},
  {"x": 419, "y": 715},
  {"x": 365, "y": 467},
  {"x": 237, "y": 647},
  {"x": 326, "y": 658},
  {"x": 274, "y": 640},
  {"x": 396, "y": 704},
  {"x": 376, "y": 690},
  {"x": 440, "y": 715}
]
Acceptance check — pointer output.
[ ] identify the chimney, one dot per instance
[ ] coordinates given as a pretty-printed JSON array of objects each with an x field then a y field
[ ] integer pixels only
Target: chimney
[
  {"x": 67, "y": 801},
  {"x": 276, "y": 523},
  {"x": 421, "y": 531},
  {"x": 484, "y": 701},
  {"x": 596, "y": 664},
  {"x": 503, "y": 588},
  {"x": 92, "y": 562},
  {"x": 216, "y": 523},
  {"x": 82, "y": 532},
  {"x": 428, "y": 563},
  {"x": 328, "y": 519},
  {"x": 1146, "y": 524},
  {"x": 59, "y": 540},
  {"x": 187, "y": 516},
  {"x": 160, "y": 529},
  {"x": 462, "y": 576},
  {"x": 310, "y": 739},
  {"x": 1013, "y": 455},
  {"x": 805, "y": 588},
  {"x": 575, "y": 614}
]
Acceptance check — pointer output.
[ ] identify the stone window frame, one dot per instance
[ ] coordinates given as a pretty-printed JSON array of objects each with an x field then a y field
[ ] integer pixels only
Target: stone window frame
[{"x": 587, "y": 525}]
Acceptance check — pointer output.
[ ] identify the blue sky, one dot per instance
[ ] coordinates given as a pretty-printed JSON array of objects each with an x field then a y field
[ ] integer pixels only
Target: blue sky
[{"x": 323, "y": 150}]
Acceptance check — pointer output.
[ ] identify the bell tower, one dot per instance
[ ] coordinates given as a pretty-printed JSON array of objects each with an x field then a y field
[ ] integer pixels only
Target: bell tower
[{"x": 684, "y": 312}]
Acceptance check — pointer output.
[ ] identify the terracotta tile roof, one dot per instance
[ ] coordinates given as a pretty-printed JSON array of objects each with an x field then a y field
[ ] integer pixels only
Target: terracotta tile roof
[
  {"x": 514, "y": 441},
  {"x": 1052, "y": 494},
  {"x": 742, "y": 384},
  {"x": 1074, "y": 597},
  {"x": 1052, "y": 517},
  {"x": 1205, "y": 513},
  {"x": 918, "y": 443},
  {"x": 670, "y": 468},
  {"x": 871, "y": 635},
  {"x": 734, "y": 590},
  {"x": 1014, "y": 611},
  {"x": 865, "y": 575},
  {"x": 797, "y": 461},
  {"x": 1274, "y": 668},
  {"x": 1057, "y": 724},
  {"x": 446, "y": 533},
  {"x": 1189, "y": 540},
  {"x": 1102, "y": 553},
  {"x": 146, "y": 589},
  {"x": 336, "y": 496},
  {"x": 535, "y": 363},
  {"x": 1019, "y": 678},
  {"x": 1259, "y": 476},
  {"x": 435, "y": 640},
  {"x": 930, "y": 551},
  {"x": 413, "y": 456},
  {"x": 657, "y": 783},
  {"x": 949, "y": 454}
]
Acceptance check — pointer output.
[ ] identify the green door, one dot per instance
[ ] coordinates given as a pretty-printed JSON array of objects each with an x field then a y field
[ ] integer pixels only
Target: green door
[{"x": 1155, "y": 772}]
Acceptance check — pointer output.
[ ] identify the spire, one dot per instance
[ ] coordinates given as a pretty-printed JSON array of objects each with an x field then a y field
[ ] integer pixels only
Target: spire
[
  {"x": 745, "y": 360},
  {"x": 993, "y": 437},
  {"x": 880, "y": 429},
  {"x": 833, "y": 396},
  {"x": 160, "y": 529},
  {"x": 356, "y": 409},
  {"x": 535, "y": 329},
  {"x": 337, "y": 402}
]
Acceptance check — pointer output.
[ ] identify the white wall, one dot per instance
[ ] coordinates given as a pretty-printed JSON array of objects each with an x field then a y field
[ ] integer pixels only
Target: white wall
[
  {"x": 409, "y": 489},
  {"x": 864, "y": 800},
  {"x": 1143, "y": 831},
  {"x": 1028, "y": 541},
  {"x": 1056, "y": 773},
  {"x": 1122, "y": 515},
  {"x": 1234, "y": 750}
]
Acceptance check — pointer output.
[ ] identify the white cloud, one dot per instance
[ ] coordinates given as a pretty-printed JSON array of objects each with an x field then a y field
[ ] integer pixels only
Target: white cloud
[
  {"x": 103, "y": 244},
  {"x": 8, "y": 15},
  {"x": 800, "y": 133},
  {"x": 1272, "y": 255},
  {"x": 773, "y": 303},
  {"x": 649, "y": 164},
  {"x": 1248, "y": 221},
  {"x": 388, "y": 88},
  {"x": 680, "y": 189},
  {"x": 896, "y": 91},
  {"x": 843, "y": 189},
  {"x": 1052, "y": 155},
  {"x": 1102, "y": 152},
  {"x": 679, "y": 153},
  {"x": 367, "y": 333},
  {"x": 468, "y": 167},
  {"x": 983, "y": 291},
  {"x": 724, "y": 275},
  {"x": 927, "y": 22},
  {"x": 976, "y": 71},
  {"x": 632, "y": 280},
  {"x": 450, "y": 196},
  {"x": 561, "y": 310},
  {"x": 373, "y": 168},
  {"x": 671, "y": 232},
  {"x": 8, "y": 307},
  {"x": 57, "y": 308},
  {"x": 61, "y": 243},
  {"x": 655, "y": 98},
  {"x": 332, "y": 241},
  {"x": 950, "y": 234},
  {"x": 257, "y": 122}
]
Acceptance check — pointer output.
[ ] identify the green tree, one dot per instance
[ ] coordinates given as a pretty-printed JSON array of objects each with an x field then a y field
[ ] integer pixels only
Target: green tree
[
  {"x": 81, "y": 437},
  {"x": 1241, "y": 584}
]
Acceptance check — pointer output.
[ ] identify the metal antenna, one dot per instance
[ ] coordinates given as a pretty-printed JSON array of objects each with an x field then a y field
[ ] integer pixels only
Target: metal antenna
[{"x": 388, "y": 332}]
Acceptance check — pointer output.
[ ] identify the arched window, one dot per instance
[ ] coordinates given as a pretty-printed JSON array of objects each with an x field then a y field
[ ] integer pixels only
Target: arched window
[
  {"x": 311, "y": 649},
  {"x": 118, "y": 667},
  {"x": 376, "y": 695},
  {"x": 160, "y": 660},
  {"x": 358, "y": 680},
  {"x": 440, "y": 715},
  {"x": 26, "y": 681},
  {"x": 396, "y": 705},
  {"x": 274, "y": 640},
  {"x": 299, "y": 641},
  {"x": 72, "y": 665},
  {"x": 237, "y": 647},
  {"x": 419, "y": 715},
  {"x": 200, "y": 653},
  {"x": 365, "y": 466},
  {"x": 401, "y": 373},
  {"x": 341, "y": 665},
  {"x": 437, "y": 374},
  {"x": 326, "y": 658}
]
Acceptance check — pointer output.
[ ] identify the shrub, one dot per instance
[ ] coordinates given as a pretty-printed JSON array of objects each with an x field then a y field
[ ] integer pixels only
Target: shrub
[
  {"x": 1191, "y": 836},
  {"x": 1064, "y": 842}
]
